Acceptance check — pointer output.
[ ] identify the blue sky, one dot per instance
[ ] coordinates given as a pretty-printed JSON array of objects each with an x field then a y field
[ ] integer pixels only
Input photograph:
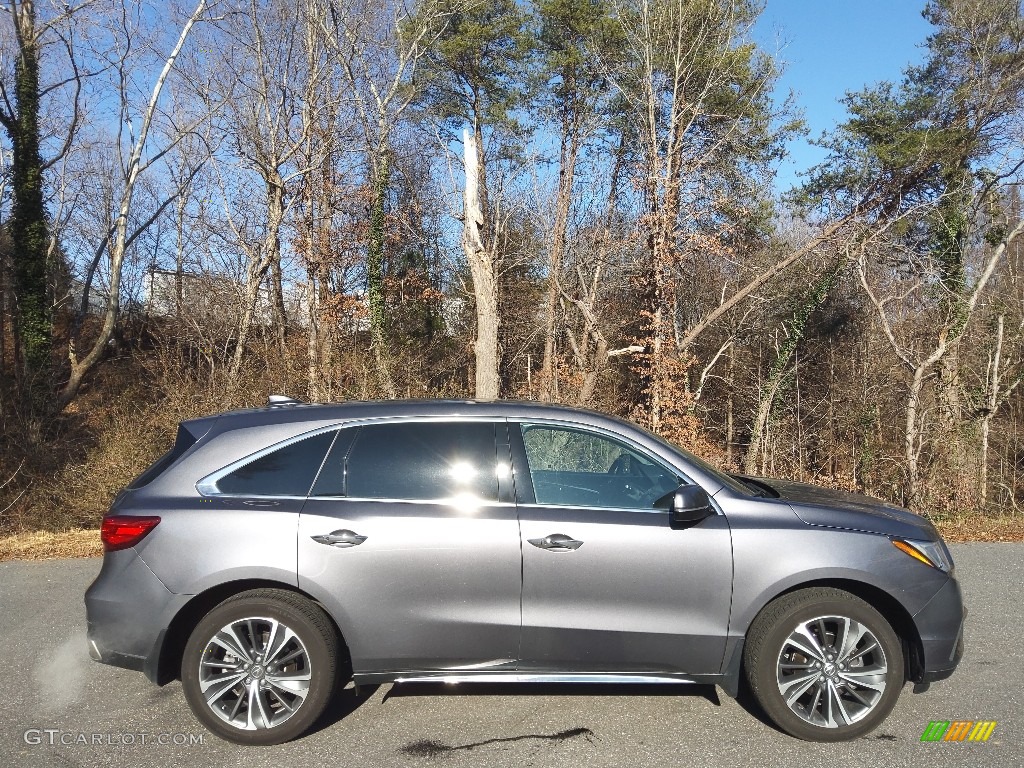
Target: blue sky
[{"x": 830, "y": 47}]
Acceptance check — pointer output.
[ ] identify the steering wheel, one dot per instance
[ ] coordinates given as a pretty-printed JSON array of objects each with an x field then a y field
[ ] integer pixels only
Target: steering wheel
[
  {"x": 639, "y": 483},
  {"x": 624, "y": 465}
]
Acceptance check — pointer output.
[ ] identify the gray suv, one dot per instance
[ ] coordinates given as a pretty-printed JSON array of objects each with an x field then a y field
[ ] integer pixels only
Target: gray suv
[{"x": 274, "y": 554}]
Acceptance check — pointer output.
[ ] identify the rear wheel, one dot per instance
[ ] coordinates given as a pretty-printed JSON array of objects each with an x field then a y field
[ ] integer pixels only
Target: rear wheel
[
  {"x": 824, "y": 665},
  {"x": 261, "y": 667}
]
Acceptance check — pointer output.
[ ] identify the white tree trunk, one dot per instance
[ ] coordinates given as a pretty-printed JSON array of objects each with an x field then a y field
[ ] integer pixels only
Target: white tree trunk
[{"x": 485, "y": 284}]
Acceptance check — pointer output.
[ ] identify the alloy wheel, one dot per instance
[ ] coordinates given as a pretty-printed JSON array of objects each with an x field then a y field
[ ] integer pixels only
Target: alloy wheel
[
  {"x": 255, "y": 673},
  {"x": 832, "y": 671}
]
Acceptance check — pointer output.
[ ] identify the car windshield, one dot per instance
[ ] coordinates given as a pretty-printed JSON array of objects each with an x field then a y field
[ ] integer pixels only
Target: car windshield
[{"x": 731, "y": 482}]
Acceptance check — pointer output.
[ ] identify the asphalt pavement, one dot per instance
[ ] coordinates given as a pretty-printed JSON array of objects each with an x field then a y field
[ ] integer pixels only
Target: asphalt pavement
[{"x": 58, "y": 708}]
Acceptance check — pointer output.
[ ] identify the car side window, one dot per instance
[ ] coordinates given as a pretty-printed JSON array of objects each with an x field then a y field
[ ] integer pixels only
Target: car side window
[
  {"x": 287, "y": 471},
  {"x": 424, "y": 461},
  {"x": 576, "y": 467}
]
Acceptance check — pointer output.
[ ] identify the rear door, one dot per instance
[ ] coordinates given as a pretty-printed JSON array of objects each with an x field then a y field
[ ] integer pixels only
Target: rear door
[
  {"x": 410, "y": 538},
  {"x": 608, "y": 584}
]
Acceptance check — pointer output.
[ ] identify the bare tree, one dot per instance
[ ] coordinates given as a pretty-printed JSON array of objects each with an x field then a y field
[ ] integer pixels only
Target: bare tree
[
  {"x": 274, "y": 85},
  {"x": 921, "y": 362},
  {"x": 120, "y": 236}
]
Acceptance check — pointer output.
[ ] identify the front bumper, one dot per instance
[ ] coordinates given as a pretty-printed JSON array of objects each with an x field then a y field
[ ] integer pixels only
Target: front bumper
[
  {"x": 127, "y": 611},
  {"x": 940, "y": 625}
]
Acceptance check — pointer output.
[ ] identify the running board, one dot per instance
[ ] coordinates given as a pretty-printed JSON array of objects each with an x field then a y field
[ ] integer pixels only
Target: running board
[{"x": 537, "y": 677}]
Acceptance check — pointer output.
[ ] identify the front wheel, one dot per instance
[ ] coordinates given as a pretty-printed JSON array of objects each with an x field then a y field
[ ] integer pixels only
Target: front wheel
[
  {"x": 261, "y": 667},
  {"x": 824, "y": 665}
]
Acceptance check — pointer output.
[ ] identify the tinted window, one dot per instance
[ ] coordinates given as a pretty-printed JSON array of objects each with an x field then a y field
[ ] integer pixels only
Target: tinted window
[
  {"x": 288, "y": 471},
  {"x": 423, "y": 461},
  {"x": 574, "y": 467}
]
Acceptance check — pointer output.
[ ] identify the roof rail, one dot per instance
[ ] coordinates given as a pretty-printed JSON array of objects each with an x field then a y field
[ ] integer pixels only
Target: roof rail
[{"x": 279, "y": 401}]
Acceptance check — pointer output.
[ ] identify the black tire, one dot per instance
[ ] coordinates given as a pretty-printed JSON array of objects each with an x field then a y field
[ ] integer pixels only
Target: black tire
[
  {"x": 769, "y": 639},
  {"x": 314, "y": 632}
]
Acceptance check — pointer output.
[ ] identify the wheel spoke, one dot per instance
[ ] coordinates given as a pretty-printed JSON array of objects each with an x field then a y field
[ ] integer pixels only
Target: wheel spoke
[
  {"x": 869, "y": 647},
  {"x": 281, "y": 700},
  {"x": 795, "y": 687},
  {"x": 297, "y": 684},
  {"x": 791, "y": 665},
  {"x": 279, "y": 640},
  {"x": 234, "y": 710},
  {"x": 822, "y": 632},
  {"x": 255, "y": 719},
  {"x": 836, "y": 705},
  {"x": 857, "y": 695},
  {"x": 289, "y": 656},
  {"x": 804, "y": 641},
  {"x": 866, "y": 677},
  {"x": 221, "y": 664},
  {"x": 254, "y": 639},
  {"x": 817, "y": 698},
  {"x": 852, "y": 632},
  {"x": 216, "y": 687},
  {"x": 229, "y": 640}
]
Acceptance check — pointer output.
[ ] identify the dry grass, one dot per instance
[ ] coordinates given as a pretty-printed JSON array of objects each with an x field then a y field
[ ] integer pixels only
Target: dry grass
[
  {"x": 44, "y": 545},
  {"x": 981, "y": 528}
]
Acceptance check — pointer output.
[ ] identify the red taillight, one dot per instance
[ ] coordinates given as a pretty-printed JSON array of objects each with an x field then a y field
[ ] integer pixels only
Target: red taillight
[{"x": 123, "y": 531}]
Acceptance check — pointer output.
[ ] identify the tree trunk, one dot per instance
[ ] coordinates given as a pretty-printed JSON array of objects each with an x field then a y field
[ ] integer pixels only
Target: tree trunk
[
  {"x": 375, "y": 271},
  {"x": 911, "y": 437},
  {"x": 280, "y": 314},
  {"x": 995, "y": 396},
  {"x": 28, "y": 224},
  {"x": 258, "y": 269},
  {"x": 795, "y": 328},
  {"x": 759, "y": 432},
  {"x": 485, "y": 285},
  {"x": 566, "y": 174}
]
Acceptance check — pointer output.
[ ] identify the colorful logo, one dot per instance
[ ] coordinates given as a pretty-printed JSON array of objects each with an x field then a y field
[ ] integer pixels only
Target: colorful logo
[{"x": 958, "y": 730}]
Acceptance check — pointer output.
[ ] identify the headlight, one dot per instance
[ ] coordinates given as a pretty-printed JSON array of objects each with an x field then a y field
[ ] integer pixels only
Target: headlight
[{"x": 933, "y": 553}]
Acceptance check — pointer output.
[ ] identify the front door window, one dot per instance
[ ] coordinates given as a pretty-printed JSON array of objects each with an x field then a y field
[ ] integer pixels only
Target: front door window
[{"x": 579, "y": 468}]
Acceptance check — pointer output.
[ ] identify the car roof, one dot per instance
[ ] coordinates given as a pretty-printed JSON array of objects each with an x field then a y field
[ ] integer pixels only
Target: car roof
[{"x": 294, "y": 411}]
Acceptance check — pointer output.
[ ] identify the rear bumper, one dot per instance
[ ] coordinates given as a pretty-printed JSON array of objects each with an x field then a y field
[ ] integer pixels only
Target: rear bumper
[
  {"x": 127, "y": 611},
  {"x": 941, "y": 627}
]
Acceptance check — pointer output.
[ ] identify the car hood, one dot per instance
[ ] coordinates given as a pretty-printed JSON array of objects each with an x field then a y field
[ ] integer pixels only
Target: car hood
[{"x": 832, "y": 508}]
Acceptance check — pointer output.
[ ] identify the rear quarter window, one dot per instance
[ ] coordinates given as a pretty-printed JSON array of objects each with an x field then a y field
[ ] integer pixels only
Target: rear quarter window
[{"x": 286, "y": 471}]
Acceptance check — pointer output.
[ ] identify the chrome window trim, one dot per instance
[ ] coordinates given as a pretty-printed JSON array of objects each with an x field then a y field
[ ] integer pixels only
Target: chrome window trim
[
  {"x": 645, "y": 510},
  {"x": 207, "y": 486},
  {"x": 445, "y": 502}
]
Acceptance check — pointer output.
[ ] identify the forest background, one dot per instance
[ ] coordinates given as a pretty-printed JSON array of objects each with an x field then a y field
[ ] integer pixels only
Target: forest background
[{"x": 571, "y": 201}]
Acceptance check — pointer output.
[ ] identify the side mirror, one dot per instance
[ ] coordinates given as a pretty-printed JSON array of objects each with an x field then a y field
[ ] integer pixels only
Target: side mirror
[{"x": 688, "y": 504}]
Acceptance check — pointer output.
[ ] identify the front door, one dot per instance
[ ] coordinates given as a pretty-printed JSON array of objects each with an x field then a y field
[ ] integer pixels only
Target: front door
[
  {"x": 608, "y": 584},
  {"x": 406, "y": 539}
]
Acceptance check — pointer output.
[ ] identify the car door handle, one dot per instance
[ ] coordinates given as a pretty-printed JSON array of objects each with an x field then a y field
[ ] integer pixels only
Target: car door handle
[
  {"x": 341, "y": 539},
  {"x": 261, "y": 503},
  {"x": 557, "y": 542}
]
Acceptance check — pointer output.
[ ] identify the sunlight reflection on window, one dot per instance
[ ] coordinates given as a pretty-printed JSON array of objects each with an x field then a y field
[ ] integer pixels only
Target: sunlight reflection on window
[{"x": 462, "y": 472}]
